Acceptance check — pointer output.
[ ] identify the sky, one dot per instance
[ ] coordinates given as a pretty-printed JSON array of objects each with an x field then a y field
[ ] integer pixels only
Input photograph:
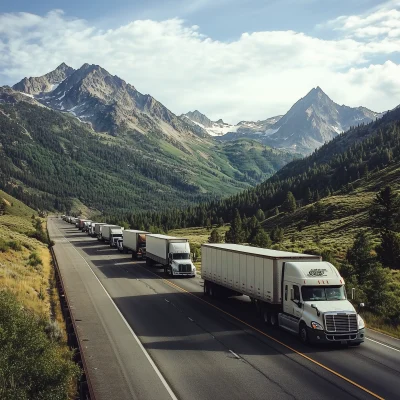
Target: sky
[{"x": 230, "y": 59}]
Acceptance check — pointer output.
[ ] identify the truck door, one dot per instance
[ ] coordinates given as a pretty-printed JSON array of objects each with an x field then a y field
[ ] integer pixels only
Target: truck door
[{"x": 291, "y": 297}]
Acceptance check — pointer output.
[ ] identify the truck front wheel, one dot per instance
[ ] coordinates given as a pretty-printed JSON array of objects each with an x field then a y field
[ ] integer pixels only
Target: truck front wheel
[{"x": 303, "y": 334}]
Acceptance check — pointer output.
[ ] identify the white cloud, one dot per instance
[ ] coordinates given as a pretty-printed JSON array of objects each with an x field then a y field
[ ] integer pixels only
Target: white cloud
[{"x": 254, "y": 77}]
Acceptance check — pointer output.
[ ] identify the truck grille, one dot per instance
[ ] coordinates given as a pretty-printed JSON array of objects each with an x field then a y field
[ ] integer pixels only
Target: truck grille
[
  {"x": 185, "y": 268},
  {"x": 341, "y": 322}
]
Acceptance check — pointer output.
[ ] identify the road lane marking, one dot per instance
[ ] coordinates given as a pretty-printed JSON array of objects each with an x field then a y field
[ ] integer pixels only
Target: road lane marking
[
  {"x": 237, "y": 319},
  {"x": 384, "y": 334},
  {"x": 274, "y": 339},
  {"x": 385, "y": 345},
  {"x": 234, "y": 354},
  {"x": 149, "y": 359}
]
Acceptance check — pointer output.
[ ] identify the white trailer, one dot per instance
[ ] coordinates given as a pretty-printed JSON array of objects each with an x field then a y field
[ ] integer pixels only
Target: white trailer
[
  {"x": 171, "y": 252},
  {"x": 106, "y": 231},
  {"x": 97, "y": 229},
  {"x": 298, "y": 292},
  {"x": 134, "y": 241}
]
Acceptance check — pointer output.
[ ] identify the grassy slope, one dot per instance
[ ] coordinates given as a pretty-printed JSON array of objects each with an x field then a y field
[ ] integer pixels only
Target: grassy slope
[
  {"x": 346, "y": 214},
  {"x": 30, "y": 285}
]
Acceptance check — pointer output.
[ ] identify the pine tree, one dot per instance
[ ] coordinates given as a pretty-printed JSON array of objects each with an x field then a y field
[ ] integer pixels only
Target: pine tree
[
  {"x": 309, "y": 196},
  {"x": 389, "y": 250},
  {"x": 261, "y": 239},
  {"x": 385, "y": 211},
  {"x": 235, "y": 233},
  {"x": 289, "y": 204},
  {"x": 360, "y": 257},
  {"x": 215, "y": 237},
  {"x": 260, "y": 215}
]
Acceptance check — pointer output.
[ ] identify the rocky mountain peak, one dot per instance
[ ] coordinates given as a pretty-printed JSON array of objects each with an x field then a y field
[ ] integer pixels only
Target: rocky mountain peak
[
  {"x": 199, "y": 118},
  {"x": 45, "y": 83}
]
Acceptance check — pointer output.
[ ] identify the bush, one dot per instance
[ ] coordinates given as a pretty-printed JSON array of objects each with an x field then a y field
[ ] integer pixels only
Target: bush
[
  {"x": 34, "y": 259},
  {"x": 32, "y": 366},
  {"x": 15, "y": 245},
  {"x": 3, "y": 246}
]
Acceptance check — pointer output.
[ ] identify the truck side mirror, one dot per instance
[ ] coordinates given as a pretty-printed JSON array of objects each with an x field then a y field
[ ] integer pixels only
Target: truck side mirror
[
  {"x": 313, "y": 306},
  {"x": 291, "y": 294}
]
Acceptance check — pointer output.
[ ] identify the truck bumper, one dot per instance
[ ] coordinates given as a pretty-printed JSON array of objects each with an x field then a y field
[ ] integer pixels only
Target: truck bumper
[
  {"x": 343, "y": 338},
  {"x": 177, "y": 273}
]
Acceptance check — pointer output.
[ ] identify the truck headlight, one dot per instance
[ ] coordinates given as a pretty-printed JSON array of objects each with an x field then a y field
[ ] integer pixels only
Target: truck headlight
[
  {"x": 361, "y": 323},
  {"x": 317, "y": 326}
]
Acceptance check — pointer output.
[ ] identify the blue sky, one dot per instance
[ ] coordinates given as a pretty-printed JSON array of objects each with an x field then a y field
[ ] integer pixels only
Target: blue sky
[
  {"x": 220, "y": 19},
  {"x": 231, "y": 59}
]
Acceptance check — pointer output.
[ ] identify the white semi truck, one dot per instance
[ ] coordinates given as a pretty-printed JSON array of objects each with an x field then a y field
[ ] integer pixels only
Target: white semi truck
[
  {"x": 106, "y": 232},
  {"x": 98, "y": 229},
  {"x": 172, "y": 253},
  {"x": 134, "y": 241},
  {"x": 115, "y": 234},
  {"x": 298, "y": 292}
]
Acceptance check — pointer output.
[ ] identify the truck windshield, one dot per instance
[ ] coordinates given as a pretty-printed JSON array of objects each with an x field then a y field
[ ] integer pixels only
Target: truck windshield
[
  {"x": 323, "y": 293},
  {"x": 181, "y": 256}
]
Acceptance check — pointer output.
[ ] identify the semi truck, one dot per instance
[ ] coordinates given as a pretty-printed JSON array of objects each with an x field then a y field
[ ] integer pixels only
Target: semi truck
[
  {"x": 96, "y": 229},
  {"x": 92, "y": 230},
  {"x": 297, "y": 292},
  {"x": 115, "y": 233},
  {"x": 106, "y": 232},
  {"x": 81, "y": 223},
  {"x": 172, "y": 253},
  {"x": 134, "y": 241}
]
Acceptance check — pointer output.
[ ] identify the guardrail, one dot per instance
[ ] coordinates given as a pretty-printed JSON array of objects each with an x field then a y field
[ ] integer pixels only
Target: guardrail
[{"x": 85, "y": 389}]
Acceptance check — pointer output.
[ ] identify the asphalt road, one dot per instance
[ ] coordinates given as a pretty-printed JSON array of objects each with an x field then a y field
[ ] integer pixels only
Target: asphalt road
[{"x": 210, "y": 349}]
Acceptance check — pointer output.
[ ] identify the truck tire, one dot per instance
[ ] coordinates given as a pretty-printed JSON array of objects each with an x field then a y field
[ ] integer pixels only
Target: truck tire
[
  {"x": 303, "y": 334},
  {"x": 274, "y": 321},
  {"x": 148, "y": 261},
  {"x": 266, "y": 317}
]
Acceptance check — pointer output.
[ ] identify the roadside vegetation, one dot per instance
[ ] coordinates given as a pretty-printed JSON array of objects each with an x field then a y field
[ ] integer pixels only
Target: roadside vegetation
[{"x": 35, "y": 362}]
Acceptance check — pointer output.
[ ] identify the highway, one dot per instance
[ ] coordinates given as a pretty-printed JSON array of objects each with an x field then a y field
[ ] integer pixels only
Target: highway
[{"x": 193, "y": 347}]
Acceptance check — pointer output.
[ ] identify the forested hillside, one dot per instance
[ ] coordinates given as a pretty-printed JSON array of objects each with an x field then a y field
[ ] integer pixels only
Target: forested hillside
[
  {"x": 50, "y": 160},
  {"x": 333, "y": 168}
]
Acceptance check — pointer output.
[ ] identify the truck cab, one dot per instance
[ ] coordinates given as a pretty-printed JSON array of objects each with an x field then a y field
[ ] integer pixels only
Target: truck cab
[
  {"x": 315, "y": 304},
  {"x": 115, "y": 234},
  {"x": 179, "y": 261}
]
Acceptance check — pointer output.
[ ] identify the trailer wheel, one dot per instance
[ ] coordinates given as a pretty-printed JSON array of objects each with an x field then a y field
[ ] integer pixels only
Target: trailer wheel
[
  {"x": 148, "y": 261},
  {"x": 274, "y": 320},
  {"x": 266, "y": 317},
  {"x": 258, "y": 307},
  {"x": 303, "y": 334},
  {"x": 211, "y": 291}
]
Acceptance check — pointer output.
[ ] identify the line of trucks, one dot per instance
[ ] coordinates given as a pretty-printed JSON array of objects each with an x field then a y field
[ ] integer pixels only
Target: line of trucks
[{"x": 299, "y": 293}]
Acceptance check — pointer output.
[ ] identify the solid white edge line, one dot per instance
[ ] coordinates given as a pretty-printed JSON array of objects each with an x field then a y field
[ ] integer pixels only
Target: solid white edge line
[
  {"x": 385, "y": 345},
  {"x": 152, "y": 363}
]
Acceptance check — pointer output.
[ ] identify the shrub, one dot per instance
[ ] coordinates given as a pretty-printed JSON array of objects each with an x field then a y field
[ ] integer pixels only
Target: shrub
[
  {"x": 32, "y": 366},
  {"x": 34, "y": 259},
  {"x": 3, "y": 246},
  {"x": 15, "y": 245}
]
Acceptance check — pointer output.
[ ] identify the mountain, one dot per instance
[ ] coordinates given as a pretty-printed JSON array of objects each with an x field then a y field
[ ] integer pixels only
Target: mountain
[
  {"x": 51, "y": 160},
  {"x": 336, "y": 167},
  {"x": 226, "y": 131},
  {"x": 314, "y": 120},
  {"x": 45, "y": 83},
  {"x": 109, "y": 104}
]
